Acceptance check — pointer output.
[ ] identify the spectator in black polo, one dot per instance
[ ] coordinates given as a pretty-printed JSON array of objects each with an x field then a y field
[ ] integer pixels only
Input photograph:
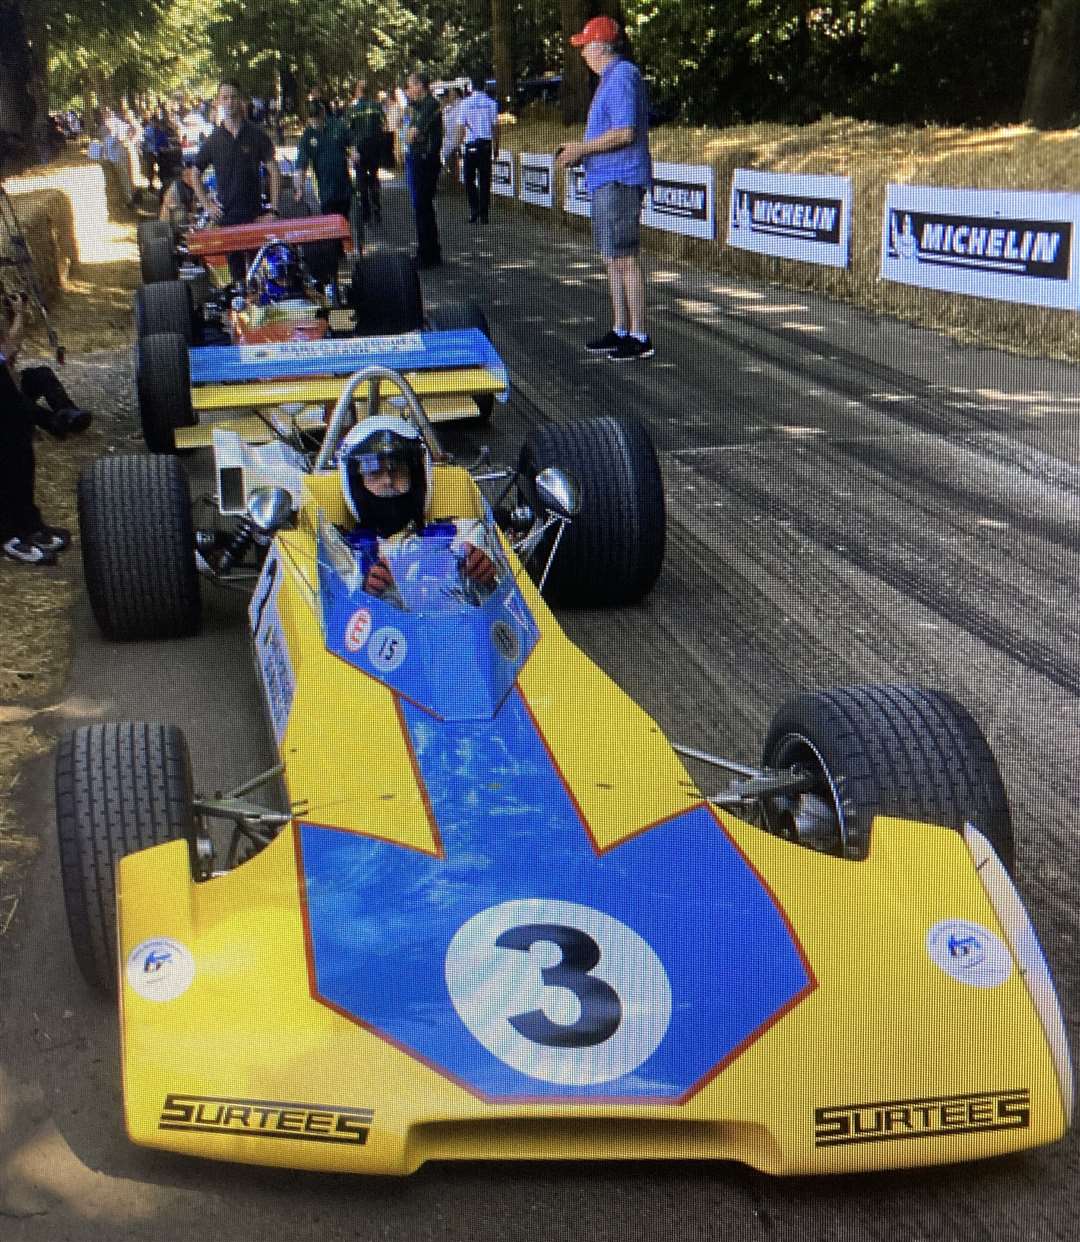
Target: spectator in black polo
[
  {"x": 237, "y": 149},
  {"x": 478, "y": 127},
  {"x": 423, "y": 143}
]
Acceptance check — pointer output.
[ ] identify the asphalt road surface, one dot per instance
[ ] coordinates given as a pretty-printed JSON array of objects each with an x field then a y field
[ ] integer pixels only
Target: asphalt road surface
[{"x": 849, "y": 500}]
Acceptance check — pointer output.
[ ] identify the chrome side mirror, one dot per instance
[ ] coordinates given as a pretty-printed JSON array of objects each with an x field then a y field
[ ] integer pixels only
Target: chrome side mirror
[
  {"x": 270, "y": 508},
  {"x": 559, "y": 492}
]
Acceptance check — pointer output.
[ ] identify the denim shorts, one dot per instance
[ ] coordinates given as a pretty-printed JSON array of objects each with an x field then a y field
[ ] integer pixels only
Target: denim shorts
[{"x": 616, "y": 219}]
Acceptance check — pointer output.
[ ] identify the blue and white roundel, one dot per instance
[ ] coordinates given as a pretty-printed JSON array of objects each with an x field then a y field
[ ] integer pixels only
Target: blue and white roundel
[{"x": 559, "y": 991}]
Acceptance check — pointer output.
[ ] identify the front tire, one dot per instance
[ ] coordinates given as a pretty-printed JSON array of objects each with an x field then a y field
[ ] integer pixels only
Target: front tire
[
  {"x": 894, "y": 750},
  {"x": 613, "y": 551},
  {"x": 158, "y": 260},
  {"x": 466, "y": 315},
  {"x": 385, "y": 295},
  {"x": 165, "y": 307},
  {"x": 163, "y": 385},
  {"x": 119, "y": 788},
  {"x": 138, "y": 547}
]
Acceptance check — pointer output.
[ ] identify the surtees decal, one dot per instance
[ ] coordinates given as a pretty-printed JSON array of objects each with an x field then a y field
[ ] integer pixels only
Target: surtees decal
[
  {"x": 160, "y": 969},
  {"x": 889, "y": 1120},
  {"x": 524, "y": 964},
  {"x": 311, "y": 1123},
  {"x": 969, "y": 953}
]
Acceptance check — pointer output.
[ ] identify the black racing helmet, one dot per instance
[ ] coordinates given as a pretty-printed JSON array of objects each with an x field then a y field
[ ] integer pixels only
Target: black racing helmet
[{"x": 373, "y": 444}]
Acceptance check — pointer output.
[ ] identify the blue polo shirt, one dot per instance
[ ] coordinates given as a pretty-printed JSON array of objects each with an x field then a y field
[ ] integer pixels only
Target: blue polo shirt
[{"x": 620, "y": 100}]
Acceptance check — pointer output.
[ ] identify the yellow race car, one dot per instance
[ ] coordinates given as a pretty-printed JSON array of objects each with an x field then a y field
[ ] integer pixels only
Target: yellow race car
[{"x": 483, "y": 909}]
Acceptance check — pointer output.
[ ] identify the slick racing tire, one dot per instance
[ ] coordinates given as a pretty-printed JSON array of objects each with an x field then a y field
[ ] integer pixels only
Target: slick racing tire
[
  {"x": 465, "y": 315},
  {"x": 895, "y": 750},
  {"x": 146, "y": 230},
  {"x": 165, "y": 307},
  {"x": 610, "y": 554},
  {"x": 385, "y": 295},
  {"x": 138, "y": 547},
  {"x": 157, "y": 259},
  {"x": 163, "y": 386},
  {"x": 120, "y": 787}
]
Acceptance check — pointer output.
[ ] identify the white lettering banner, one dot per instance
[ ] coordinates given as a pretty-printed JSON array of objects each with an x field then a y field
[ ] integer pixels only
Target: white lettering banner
[
  {"x": 682, "y": 200},
  {"x": 502, "y": 175},
  {"x": 791, "y": 216},
  {"x": 576, "y": 199},
  {"x": 1011, "y": 245},
  {"x": 537, "y": 180}
]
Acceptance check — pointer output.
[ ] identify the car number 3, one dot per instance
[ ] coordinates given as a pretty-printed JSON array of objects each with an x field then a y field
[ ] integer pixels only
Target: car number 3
[{"x": 559, "y": 991}]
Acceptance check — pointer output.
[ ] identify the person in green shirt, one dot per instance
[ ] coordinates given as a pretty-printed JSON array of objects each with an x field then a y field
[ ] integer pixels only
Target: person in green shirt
[
  {"x": 324, "y": 145},
  {"x": 367, "y": 121},
  {"x": 423, "y": 143}
]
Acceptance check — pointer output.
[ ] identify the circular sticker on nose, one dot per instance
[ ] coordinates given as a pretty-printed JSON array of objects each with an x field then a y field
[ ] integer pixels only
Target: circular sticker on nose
[
  {"x": 559, "y": 991},
  {"x": 161, "y": 969},
  {"x": 969, "y": 953},
  {"x": 387, "y": 649},
  {"x": 357, "y": 630}
]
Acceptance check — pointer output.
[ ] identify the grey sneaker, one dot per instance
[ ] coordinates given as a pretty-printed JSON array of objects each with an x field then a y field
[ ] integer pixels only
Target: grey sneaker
[
  {"x": 604, "y": 344},
  {"x": 630, "y": 349},
  {"x": 27, "y": 553}
]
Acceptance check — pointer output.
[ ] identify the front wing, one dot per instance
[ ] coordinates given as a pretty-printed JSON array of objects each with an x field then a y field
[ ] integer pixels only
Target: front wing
[{"x": 892, "y": 1012}]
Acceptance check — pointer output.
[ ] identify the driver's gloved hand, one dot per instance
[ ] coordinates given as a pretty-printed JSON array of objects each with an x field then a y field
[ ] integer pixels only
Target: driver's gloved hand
[
  {"x": 378, "y": 579},
  {"x": 477, "y": 566}
]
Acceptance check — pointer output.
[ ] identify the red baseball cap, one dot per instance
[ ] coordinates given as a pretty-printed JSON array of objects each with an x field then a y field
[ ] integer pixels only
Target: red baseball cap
[{"x": 597, "y": 30}]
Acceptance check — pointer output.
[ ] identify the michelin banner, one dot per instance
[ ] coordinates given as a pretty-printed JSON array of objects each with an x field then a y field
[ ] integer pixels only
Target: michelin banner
[
  {"x": 682, "y": 200},
  {"x": 1011, "y": 245},
  {"x": 502, "y": 174},
  {"x": 791, "y": 216},
  {"x": 537, "y": 180},
  {"x": 576, "y": 199}
]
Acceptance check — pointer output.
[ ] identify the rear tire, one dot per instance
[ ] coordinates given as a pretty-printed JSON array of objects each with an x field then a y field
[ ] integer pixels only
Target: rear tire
[
  {"x": 888, "y": 750},
  {"x": 158, "y": 260},
  {"x": 165, "y": 307},
  {"x": 385, "y": 295},
  {"x": 138, "y": 547},
  {"x": 613, "y": 551},
  {"x": 466, "y": 315},
  {"x": 163, "y": 385},
  {"x": 119, "y": 788}
]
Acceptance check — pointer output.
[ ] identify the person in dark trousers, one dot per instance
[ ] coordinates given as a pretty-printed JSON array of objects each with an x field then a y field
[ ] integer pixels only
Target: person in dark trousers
[
  {"x": 368, "y": 124},
  {"x": 25, "y": 537},
  {"x": 324, "y": 146},
  {"x": 423, "y": 143},
  {"x": 618, "y": 171},
  {"x": 237, "y": 149},
  {"x": 478, "y": 128}
]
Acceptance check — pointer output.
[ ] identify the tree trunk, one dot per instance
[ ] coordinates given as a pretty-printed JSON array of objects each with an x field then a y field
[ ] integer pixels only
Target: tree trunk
[
  {"x": 17, "y": 108},
  {"x": 1052, "y": 78},
  {"x": 37, "y": 36},
  {"x": 502, "y": 53},
  {"x": 576, "y": 89}
]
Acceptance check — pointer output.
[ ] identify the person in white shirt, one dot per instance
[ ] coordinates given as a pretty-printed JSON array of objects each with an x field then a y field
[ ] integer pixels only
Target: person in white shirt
[
  {"x": 478, "y": 127},
  {"x": 450, "y": 148}
]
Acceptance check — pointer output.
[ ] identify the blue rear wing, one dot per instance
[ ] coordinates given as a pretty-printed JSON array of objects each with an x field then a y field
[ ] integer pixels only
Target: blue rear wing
[{"x": 460, "y": 349}]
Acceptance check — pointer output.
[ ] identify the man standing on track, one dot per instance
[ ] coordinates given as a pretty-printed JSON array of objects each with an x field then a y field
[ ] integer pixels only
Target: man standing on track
[
  {"x": 324, "y": 145},
  {"x": 618, "y": 171},
  {"x": 423, "y": 144},
  {"x": 368, "y": 124},
  {"x": 237, "y": 149},
  {"x": 478, "y": 126}
]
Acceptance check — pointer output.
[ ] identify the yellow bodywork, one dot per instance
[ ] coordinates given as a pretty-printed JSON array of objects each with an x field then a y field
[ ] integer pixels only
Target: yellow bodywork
[{"x": 246, "y": 1065}]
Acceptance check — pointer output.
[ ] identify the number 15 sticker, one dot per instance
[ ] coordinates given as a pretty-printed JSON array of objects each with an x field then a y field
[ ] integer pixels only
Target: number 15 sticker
[{"x": 559, "y": 991}]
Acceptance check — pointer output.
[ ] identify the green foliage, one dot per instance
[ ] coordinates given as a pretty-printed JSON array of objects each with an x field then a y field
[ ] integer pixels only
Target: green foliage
[{"x": 716, "y": 61}]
